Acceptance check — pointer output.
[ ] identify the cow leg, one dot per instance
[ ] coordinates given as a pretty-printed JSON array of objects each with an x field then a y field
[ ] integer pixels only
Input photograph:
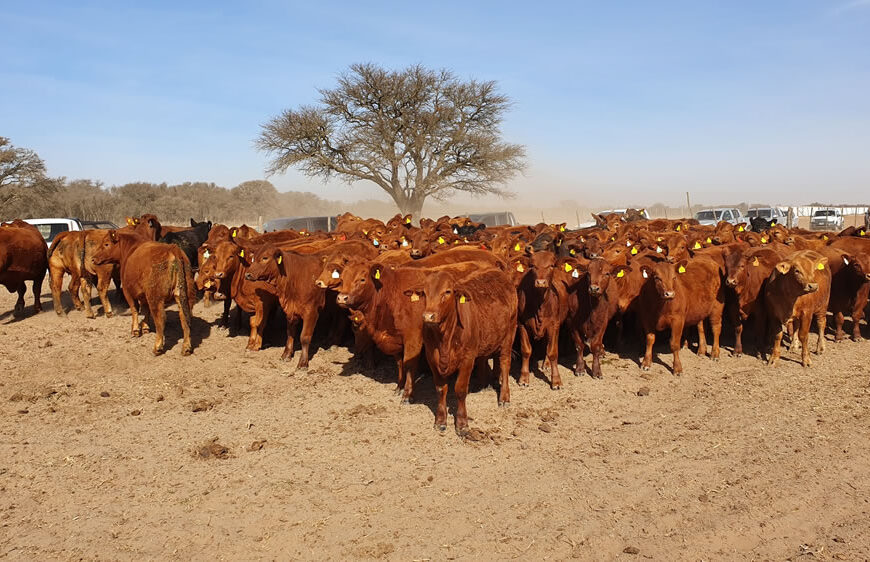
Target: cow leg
[
  {"x": 504, "y": 370},
  {"x": 647, "y": 355},
  {"x": 804, "y": 335},
  {"x": 409, "y": 365},
  {"x": 482, "y": 371},
  {"x": 291, "y": 340},
  {"x": 716, "y": 326},
  {"x": 839, "y": 319},
  {"x": 858, "y": 310},
  {"x": 158, "y": 314},
  {"x": 738, "y": 339},
  {"x": 55, "y": 281},
  {"x": 308, "y": 324},
  {"x": 400, "y": 377},
  {"x": 18, "y": 311},
  {"x": 777, "y": 343},
  {"x": 596, "y": 346},
  {"x": 143, "y": 312},
  {"x": 461, "y": 390},
  {"x": 224, "y": 322},
  {"x": 85, "y": 292},
  {"x": 702, "y": 339},
  {"x": 441, "y": 393},
  {"x": 103, "y": 291},
  {"x": 821, "y": 323},
  {"x": 116, "y": 279},
  {"x": 526, "y": 350},
  {"x": 792, "y": 336},
  {"x": 37, "y": 293},
  {"x": 258, "y": 324},
  {"x": 676, "y": 336},
  {"x": 185, "y": 319},
  {"x": 579, "y": 345},
  {"x": 553, "y": 357},
  {"x": 74, "y": 288}
]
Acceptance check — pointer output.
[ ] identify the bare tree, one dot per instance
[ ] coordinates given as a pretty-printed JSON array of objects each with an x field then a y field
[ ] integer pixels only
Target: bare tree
[{"x": 416, "y": 133}]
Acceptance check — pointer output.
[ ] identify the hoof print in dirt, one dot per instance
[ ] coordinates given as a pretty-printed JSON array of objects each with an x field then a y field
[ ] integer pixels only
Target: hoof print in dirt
[
  {"x": 643, "y": 391},
  {"x": 631, "y": 550},
  {"x": 546, "y": 428},
  {"x": 256, "y": 445},
  {"x": 201, "y": 405},
  {"x": 212, "y": 450},
  {"x": 136, "y": 412}
]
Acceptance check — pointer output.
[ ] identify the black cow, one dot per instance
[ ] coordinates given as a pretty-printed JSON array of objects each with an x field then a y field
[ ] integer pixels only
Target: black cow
[
  {"x": 190, "y": 240},
  {"x": 760, "y": 224}
]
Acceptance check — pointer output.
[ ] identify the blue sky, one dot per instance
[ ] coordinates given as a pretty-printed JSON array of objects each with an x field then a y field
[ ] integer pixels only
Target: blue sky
[{"x": 616, "y": 101}]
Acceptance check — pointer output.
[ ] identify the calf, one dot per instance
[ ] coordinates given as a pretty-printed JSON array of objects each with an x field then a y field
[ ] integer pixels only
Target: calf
[
  {"x": 23, "y": 257},
  {"x": 611, "y": 289},
  {"x": 466, "y": 321},
  {"x": 73, "y": 252},
  {"x": 747, "y": 274},
  {"x": 153, "y": 274},
  {"x": 292, "y": 275},
  {"x": 799, "y": 289},
  {"x": 675, "y": 295}
]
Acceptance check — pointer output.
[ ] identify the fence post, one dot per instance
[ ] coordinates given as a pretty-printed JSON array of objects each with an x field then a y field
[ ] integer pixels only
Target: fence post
[{"x": 260, "y": 224}]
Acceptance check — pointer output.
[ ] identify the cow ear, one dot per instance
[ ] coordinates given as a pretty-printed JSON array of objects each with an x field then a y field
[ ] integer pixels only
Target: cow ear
[
  {"x": 192, "y": 223},
  {"x": 152, "y": 223},
  {"x": 682, "y": 265},
  {"x": 463, "y": 307},
  {"x": 620, "y": 270},
  {"x": 783, "y": 267},
  {"x": 113, "y": 236},
  {"x": 822, "y": 264}
]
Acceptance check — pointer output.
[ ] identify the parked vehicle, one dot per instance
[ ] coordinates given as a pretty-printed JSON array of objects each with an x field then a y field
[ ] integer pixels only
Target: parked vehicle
[
  {"x": 51, "y": 227},
  {"x": 827, "y": 219},
  {"x": 505, "y": 218},
  {"x": 712, "y": 217},
  {"x": 767, "y": 213},
  {"x": 325, "y": 223},
  {"x": 99, "y": 225}
]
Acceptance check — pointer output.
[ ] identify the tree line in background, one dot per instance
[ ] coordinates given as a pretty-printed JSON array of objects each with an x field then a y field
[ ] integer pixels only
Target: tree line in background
[{"x": 27, "y": 192}]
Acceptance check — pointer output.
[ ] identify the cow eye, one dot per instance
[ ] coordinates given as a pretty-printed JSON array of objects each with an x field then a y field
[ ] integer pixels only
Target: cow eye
[{"x": 448, "y": 292}]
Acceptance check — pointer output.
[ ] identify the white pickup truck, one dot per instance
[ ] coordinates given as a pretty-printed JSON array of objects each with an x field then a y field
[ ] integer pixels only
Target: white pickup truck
[{"x": 49, "y": 228}]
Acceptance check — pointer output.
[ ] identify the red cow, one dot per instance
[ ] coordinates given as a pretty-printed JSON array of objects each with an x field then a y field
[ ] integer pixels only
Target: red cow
[
  {"x": 467, "y": 321},
  {"x": 23, "y": 257},
  {"x": 153, "y": 274}
]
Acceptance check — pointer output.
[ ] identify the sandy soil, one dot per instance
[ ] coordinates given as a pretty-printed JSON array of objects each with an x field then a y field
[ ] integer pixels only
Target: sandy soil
[{"x": 107, "y": 452}]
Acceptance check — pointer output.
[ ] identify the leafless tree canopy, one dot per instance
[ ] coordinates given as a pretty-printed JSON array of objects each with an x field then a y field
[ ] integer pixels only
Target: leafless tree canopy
[
  {"x": 416, "y": 133},
  {"x": 22, "y": 175}
]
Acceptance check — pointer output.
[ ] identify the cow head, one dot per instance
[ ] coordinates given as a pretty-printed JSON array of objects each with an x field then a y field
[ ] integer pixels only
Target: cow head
[
  {"x": 359, "y": 281},
  {"x": 663, "y": 275},
  {"x": 330, "y": 277},
  {"x": 267, "y": 264},
  {"x": 600, "y": 273},
  {"x": 799, "y": 271},
  {"x": 444, "y": 300},
  {"x": 110, "y": 249},
  {"x": 859, "y": 264},
  {"x": 542, "y": 265}
]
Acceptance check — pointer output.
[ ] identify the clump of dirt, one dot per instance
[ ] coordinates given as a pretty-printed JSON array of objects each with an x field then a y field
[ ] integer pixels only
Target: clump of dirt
[
  {"x": 366, "y": 410},
  {"x": 212, "y": 450},
  {"x": 256, "y": 445},
  {"x": 202, "y": 405}
]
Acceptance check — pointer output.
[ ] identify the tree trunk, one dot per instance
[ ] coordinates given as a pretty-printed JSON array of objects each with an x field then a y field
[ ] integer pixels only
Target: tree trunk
[{"x": 410, "y": 206}]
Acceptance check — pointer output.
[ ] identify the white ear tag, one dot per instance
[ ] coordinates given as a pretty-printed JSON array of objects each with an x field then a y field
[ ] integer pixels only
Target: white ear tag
[
  {"x": 658, "y": 249},
  {"x": 404, "y": 243},
  {"x": 845, "y": 261},
  {"x": 645, "y": 276},
  {"x": 335, "y": 274},
  {"x": 575, "y": 274},
  {"x": 205, "y": 255}
]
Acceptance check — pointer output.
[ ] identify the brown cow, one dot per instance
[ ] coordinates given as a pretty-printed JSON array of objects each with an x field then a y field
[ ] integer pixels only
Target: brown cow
[
  {"x": 153, "y": 274},
  {"x": 465, "y": 322},
  {"x": 73, "y": 252},
  {"x": 747, "y": 273},
  {"x": 799, "y": 289},
  {"x": 611, "y": 291},
  {"x": 292, "y": 275},
  {"x": 23, "y": 257},
  {"x": 849, "y": 260},
  {"x": 675, "y": 295}
]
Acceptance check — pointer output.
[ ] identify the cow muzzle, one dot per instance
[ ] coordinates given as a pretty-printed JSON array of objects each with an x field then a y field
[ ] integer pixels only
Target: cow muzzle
[
  {"x": 541, "y": 283},
  {"x": 811, "y": 287},
  {"x": 867, "y": 277},
  {"x": 249, "y": 277},
  {"x": 430, "y": 317},
  {"x": 594, "y": 290},
  {"x": 415, "y": 253},
  {"x": 669, "y": 295},
  {"x": 320, "y": 284},
  {"x": 731, "y": 282},
  {"x": 220, "y": 274},
  {"x": 342, "y": 299}
]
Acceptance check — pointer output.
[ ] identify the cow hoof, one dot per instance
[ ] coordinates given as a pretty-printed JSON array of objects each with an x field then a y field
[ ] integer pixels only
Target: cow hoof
[
  {"x": 556, "y": 387},
  {"x": 135, "y": 334},
  {"x": 598, "y": 376},
  {"x": 504, "y": 404},
  {"x": 737, "y": 354},
  {"x": 462, "y": 432},
  {"x": 90, "y": 316},
  {"x": 644, "y": 367},
  {"x": 302, "y": 368},
  {"x": 405, "y": 401},
  {"x": 158, "y": 351},
  {"x": 110, "y": 314},
  {"x": 441, "y": 427},
  {"x": 186, "y": 351},
  {"x": 857, "y": 339},
  {"x": 523, "y": 384}
]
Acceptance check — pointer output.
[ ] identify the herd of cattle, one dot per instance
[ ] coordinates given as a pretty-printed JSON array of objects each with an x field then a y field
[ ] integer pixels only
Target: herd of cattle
[{"x": 458, "y": 292}]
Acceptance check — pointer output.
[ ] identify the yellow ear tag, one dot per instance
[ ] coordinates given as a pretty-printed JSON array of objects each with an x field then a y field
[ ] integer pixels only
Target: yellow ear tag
[
  {"x": 755, "y": 262},
  {"x": 634, "y": 250},
  {"x": 697, "y": 246},
  {"x": 562, "y": 228},
  {"x": 241, "y": 253},
  {"x": 862, "y": 233},
  {"x": 408, "y": 220},
  {"x": 280, "y": 259},
  {"x": 130, "y": 221},
  {"x": 763, "y": 240},
  {"x": 739, "y": 229},
  {"x": 365, "y": 232},
  {"x": 415, "y": 297},
  {"x": 678, "y": 228},
  {"x": 377, "y": 274},
  {"x": 520, "y": 268},
  {"x": 709, "y": 240},
  {"x": 440, "y": 239},
  {"x": 573, "y": 252},
  {"x": 568, "y": 267},
  {"x": 825, "y": 237},
  {"x": 659, "y": 239},
  {"x": 820, "y": 267},
  {"x": 462, "y": 299},
  {"x": 235, "y": 232},
  {"x": 681, "y": 269},
  {"x": 558, "y": 243},
  {"x": 517, "y": 247},
  {"x": 621, "y": 273},
  {"x": 612, "y": 238}
]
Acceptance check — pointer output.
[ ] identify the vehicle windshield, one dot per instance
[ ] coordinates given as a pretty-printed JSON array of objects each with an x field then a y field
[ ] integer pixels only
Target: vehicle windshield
[
  {"x": 708, "y": 215},
  {"x": 49, "y": 231},
  {"x": 824, "y": 213},
  {"x": 764, "y": 213}
]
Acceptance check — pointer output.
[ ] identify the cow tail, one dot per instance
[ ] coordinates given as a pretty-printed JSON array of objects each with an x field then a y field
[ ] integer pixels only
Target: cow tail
[{"x": 181, "y": 283}]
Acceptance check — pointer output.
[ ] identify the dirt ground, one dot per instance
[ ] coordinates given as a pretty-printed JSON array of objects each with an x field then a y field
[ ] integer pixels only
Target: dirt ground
[{"x": 107, "y": 452}]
